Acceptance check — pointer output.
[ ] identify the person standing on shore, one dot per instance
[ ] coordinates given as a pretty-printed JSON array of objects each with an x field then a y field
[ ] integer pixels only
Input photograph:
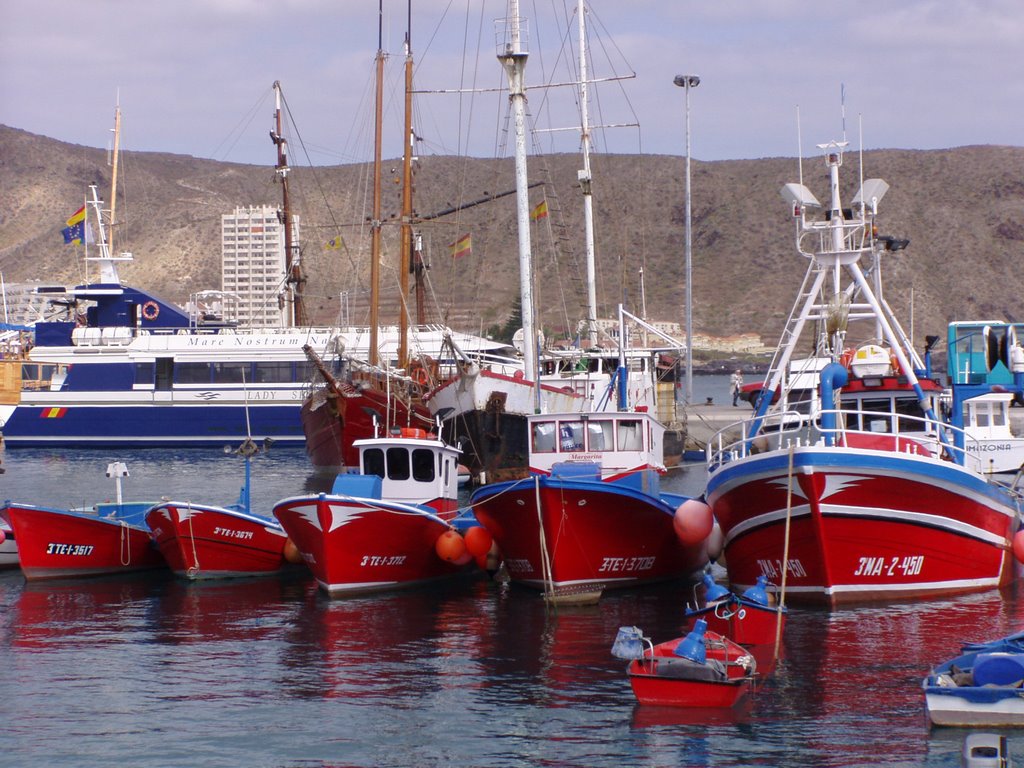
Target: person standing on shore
[{"x": 736, "y": 385}]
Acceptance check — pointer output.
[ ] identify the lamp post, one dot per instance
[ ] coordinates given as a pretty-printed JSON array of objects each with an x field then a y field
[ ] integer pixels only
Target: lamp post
[{"x": 687, "y": 82}]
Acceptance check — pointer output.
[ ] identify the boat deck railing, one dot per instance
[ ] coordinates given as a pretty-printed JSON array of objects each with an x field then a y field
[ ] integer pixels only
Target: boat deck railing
[{"x": 903, "y": 434}]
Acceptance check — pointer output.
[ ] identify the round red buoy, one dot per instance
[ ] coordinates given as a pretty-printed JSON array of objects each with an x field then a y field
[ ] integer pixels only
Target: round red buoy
[
  {"x": 1018, "y": 546},
  {"x": 450, "y": 546},
  {"x": 478, "y": 540},
  {"x": 693, "y": 521},
  {"x": 291, "y": 552}
]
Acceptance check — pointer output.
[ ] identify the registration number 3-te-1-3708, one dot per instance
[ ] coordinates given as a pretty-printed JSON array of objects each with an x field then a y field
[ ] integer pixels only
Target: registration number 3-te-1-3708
[{"x": 909, "y": 565}]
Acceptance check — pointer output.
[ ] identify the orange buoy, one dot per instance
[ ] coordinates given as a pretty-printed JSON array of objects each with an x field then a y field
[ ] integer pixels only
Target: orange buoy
[
  {"x": 450, "y": 546},
  {"x": 693, "y": 521},
  {"x": 1018, "y": 546},
  {"x": 291, "y": 552},
  {"x": 478, "y": 540}
]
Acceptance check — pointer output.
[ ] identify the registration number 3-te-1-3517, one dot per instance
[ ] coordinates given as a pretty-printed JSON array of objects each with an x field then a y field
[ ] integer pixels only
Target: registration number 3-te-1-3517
[
  {"x": 83, "y": 550},
  {"x": 909, "y": 565}
]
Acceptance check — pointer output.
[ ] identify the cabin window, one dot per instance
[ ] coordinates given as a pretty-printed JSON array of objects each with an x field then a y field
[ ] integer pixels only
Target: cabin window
[
  {"x": 373, "y": 462},
  {"x": 875, "y": 415},
  {"x": 192, "y": 373},
  {"x": 144, "y": 373},
  {"x": 999, "y": 418},
  {"x": 981, "y": 418},
  {"x": 398, "y": 464},
  {"x": 231, "y": 373},
  {"x": 908, "y": 406},
  {"x": 273, "y": 372},
  {"x": 423, "y": 465},
  {"x": 631, "y": 436},
  {"x": 570, "y": 435},
  {"x": 600, "y": 435},
  {"x": 543, "y": 437}
]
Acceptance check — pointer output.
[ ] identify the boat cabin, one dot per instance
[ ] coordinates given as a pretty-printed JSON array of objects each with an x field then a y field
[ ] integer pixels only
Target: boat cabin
[
  {"x": 617, "y": 442},
  {"x": 410, "y": 466}
]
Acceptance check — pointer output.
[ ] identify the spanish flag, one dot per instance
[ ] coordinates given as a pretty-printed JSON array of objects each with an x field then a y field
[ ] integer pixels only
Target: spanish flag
[
  {"x": 540, "y": 212},
  {"x": 461, "y": 247}
]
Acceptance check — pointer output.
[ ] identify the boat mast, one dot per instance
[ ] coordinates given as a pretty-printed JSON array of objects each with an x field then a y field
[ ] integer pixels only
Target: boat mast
[
  {"x": 513, "y": 58},
  {"x": 585, "y": 182},
  {"x": 113, "y": 172},
  {"x": 375, "y": 224},
  {"x": 293, "y": 269},
  {"x": 406, "y": 230}
]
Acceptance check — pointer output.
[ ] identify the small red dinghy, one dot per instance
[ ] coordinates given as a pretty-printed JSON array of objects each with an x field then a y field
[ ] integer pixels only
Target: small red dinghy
[
  {"x": 702, "y": 670},
  {"x": 749, "y": 619}
]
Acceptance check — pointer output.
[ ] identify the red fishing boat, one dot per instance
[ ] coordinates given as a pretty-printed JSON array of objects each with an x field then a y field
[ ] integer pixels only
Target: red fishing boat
[
  {"x": 108, "y": 538},
  {"x": 865, "y": 492},
  {"x": 200, "y": 541},
  {"x": 703, "y": 669},
  {"x": 592, "y": 515},
  {"x": 388, "y": 526}
]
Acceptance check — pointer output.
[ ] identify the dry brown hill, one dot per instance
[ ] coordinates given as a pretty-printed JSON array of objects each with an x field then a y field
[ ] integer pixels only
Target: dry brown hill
[{"x": 962, "y": 209}]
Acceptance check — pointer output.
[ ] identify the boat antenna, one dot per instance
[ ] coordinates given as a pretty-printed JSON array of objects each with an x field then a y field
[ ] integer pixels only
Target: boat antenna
[
  {"x": 799, "y": 148},
  {"x": 842, "y": 107}
]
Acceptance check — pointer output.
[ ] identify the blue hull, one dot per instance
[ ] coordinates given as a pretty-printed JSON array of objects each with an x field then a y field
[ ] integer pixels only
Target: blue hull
[{"x": 156, "y": 426}]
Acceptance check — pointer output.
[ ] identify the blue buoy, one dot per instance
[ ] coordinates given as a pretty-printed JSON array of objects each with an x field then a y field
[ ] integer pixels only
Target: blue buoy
[
  {"x": 692, "y": 646},
  {"x": 713, "y": 590},
  {"x": 757, "y": 593}
]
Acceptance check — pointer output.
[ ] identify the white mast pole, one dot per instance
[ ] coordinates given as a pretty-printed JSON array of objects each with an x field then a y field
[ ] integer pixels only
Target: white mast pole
[
  {"x": 584, "y": 177},
  {"x": 513, "y": 59}
]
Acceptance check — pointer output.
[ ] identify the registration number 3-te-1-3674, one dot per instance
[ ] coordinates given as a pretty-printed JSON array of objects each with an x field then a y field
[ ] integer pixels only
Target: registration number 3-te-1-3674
[{"x": 909, "y": 565}]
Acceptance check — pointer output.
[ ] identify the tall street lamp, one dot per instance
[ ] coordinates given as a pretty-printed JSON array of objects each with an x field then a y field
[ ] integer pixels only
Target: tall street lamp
[{"x": 687, "y": 82}]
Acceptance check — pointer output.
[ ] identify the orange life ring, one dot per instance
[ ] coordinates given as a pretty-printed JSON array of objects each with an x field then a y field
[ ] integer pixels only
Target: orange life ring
[{"x": 150, "y": 310}]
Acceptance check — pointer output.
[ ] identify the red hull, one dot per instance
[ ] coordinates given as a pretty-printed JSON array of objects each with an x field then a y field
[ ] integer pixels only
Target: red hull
[
  {"x": 862, "y": 528},
  {"x": 60, "y": 544},
  {"x": 332, "y": 424},
  {"x": 598, "y": 535},
  {"x": 653, "y": 681},
  {"x": 355, "y": 546},
  {"x": 200, "y": 542},
  {"x": 744, "y": 623}
]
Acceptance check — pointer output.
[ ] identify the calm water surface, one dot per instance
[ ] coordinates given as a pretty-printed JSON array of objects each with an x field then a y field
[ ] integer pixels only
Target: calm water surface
[{"x": 158, "y": 672}]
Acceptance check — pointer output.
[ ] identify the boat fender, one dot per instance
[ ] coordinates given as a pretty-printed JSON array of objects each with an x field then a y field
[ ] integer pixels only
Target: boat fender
[
  {"x": 693, "y": 521},
  {"x": 291, "y": 552},
  {"x": 1018, "y": 546},
  {"x": 716, "y": 542},
  {"x": 450, "y": 546},
  {"x": 629, "y": 643},
  {"x": 151, "y": 310}
]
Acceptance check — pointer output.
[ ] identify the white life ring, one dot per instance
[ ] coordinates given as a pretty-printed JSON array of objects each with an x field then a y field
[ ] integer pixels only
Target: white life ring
[{"x": 150, "y": 310}]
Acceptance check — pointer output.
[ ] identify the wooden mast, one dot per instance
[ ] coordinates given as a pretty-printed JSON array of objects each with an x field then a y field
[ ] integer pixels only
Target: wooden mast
[
  {"x": 296, "y": 312},
  {"x": 113, "y": 173},
  {"x": 375, "y": 224},
  {"x": 406, "y": 247}
]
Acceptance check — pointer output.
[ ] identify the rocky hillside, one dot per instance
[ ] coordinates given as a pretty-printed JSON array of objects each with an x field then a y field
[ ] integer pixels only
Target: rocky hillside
[{"x": 962, "y": 209}]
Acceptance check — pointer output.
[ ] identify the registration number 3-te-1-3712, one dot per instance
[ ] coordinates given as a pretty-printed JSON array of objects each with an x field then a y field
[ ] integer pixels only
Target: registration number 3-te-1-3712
[{"x": 909, "y": 565}]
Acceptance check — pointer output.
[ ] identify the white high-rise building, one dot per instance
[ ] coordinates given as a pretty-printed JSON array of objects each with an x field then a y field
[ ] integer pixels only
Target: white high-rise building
[{"x": 253, "y": 263}]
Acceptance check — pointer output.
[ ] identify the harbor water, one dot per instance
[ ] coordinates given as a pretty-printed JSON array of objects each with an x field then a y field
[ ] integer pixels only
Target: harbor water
[{"x": 155, "y": 671}]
